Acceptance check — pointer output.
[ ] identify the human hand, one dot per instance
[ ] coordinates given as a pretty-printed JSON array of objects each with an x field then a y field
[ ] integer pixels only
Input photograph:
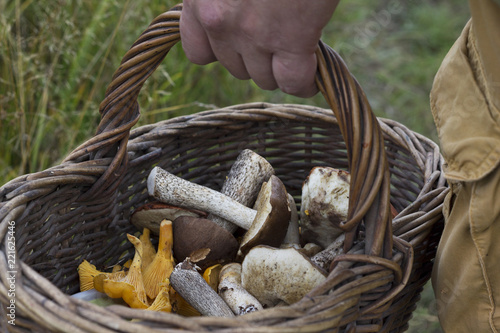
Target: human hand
[{"x": 273, "y": 42}]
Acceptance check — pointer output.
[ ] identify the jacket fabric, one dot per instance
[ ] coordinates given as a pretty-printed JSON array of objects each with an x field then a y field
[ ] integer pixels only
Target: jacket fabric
[{"x": 465, "y": 103}]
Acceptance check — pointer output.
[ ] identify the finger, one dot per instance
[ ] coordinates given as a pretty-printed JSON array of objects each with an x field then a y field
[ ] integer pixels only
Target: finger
[
  {"x": 295, "y": 73},
  {"x": 230, "y": 59},
  {"x": 195, "y": 41},
  {"x": 259, "y": 67}
]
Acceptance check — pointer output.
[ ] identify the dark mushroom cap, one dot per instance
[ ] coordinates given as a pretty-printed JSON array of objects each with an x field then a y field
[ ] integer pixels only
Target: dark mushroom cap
[
  {"x": 273, "y": 215},
  {"x": 192, "y": 234},
  {"x": 151, "y": 214}
]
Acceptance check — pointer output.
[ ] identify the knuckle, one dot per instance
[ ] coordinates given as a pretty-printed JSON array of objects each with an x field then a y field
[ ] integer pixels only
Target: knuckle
[{"x": 211, "y": 19}]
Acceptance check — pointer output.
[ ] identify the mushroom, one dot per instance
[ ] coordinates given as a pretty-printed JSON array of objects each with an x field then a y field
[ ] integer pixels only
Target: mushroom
[
  {"x": 211, "y": 275},
  {"x": 311, "y": 249},
  {"x": 117, "y": 268},
  {"x": 86, "y": 272},
  {"x": 151, "y": 214},
  {"x": 192, "y": 234},
  {"x": 163, "y": 263},
  {"x": 273, "y": 275},
  {"x": 243, "y": 183},
  {"x": 162, "y": 300},
  {"x": 148, "y": 249},
  {"x": 266, "y": 223},
  {"x": 324, "y": 258},
  {"x": 115, "y": 276},
  {"x": 181, "y": 306},
  {"x": 292, "y": 236},
  {"x": 269, "y": 226},
  {"x": 325, "y": 202},
  {"x": 91, "y": 277},
  {"x": 230, "y": 289},
  {"x": 189, "y": 284},
  {"x": 131, "y": 287}
]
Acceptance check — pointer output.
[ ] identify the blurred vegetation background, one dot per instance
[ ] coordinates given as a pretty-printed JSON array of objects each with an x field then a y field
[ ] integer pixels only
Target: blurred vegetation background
[{"x": 57, "y": 57}]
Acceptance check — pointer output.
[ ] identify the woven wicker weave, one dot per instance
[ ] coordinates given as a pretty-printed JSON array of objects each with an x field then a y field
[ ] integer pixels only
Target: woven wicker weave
[{"x": 80, "y": 209}]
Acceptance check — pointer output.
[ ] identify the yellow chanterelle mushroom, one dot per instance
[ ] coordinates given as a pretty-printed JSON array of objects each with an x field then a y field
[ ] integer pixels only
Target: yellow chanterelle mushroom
[
  {"x": 86, "y": 272},
  {"x": 163, "y": 263},
  {"x": 211, "y": 275},
  {"x": 131, "y": 287},
  {"x": 148, "y": 250},
  {"x": 162, "y": 300}
]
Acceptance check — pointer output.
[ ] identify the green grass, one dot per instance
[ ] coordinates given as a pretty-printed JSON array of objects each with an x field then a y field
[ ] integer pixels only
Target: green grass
[{"x": 57, "y": 57}]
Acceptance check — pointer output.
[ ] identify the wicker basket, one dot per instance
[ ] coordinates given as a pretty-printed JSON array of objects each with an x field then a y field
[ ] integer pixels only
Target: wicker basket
[{"x": 80, "y": 209}]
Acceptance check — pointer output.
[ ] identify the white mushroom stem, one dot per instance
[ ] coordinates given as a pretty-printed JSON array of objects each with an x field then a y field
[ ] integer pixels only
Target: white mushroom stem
[
  {"x": 197, "y": 292},
  {"x": 243, "y": 183},
  {"x": 174, "y": 190},
  {"x": 231, "y": 291},
  {"x": 292, "y": 234}
]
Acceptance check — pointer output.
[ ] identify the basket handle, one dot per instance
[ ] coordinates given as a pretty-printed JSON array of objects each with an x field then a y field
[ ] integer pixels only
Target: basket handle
[{"x": 369, "y": 196}]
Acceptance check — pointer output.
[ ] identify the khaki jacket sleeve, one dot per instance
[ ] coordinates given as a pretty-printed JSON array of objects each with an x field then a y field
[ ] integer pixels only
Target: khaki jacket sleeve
[
  {"x": 486, "y": 30},
  {"x": 465, "y": 98}
]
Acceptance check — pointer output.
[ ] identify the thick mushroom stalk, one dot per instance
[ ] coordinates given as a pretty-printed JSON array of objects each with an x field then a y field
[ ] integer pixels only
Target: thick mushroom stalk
[
  {"x": 233, "y": 293},
  {"x": 292, "y": 236},
  {"x": 196, "y": 291},
  {"x": 243, "y": 182},
  {"x": 174, "y": 190}
]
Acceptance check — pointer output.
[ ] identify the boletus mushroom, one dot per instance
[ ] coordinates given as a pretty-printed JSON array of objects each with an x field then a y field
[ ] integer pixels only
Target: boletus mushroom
[
  {"x": 233, "y": 293},
  {"x": 266, "y": 223},
  {"x": 292, "y": 236},
  {"x": 192, "y": 234},
  {"x": 325, "y": 203},
  {"x": 243, "y": 183},
  {"x": 190, "y": 285},
  {"x": 151, "y": 214},
  {"x": 279, "y": 275}
]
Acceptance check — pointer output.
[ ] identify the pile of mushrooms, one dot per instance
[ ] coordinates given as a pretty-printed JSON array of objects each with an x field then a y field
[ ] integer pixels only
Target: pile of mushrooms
[
  {"x": 251, "y": 228},
  {"x": 234, "y": 251}
]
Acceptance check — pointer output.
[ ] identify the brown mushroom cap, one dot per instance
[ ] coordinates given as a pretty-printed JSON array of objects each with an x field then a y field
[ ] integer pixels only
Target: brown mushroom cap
[
  {"x": 192, "y": 234},
  {"x": 270, "y": 225},
  {"x": 151, "y": 214}
]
